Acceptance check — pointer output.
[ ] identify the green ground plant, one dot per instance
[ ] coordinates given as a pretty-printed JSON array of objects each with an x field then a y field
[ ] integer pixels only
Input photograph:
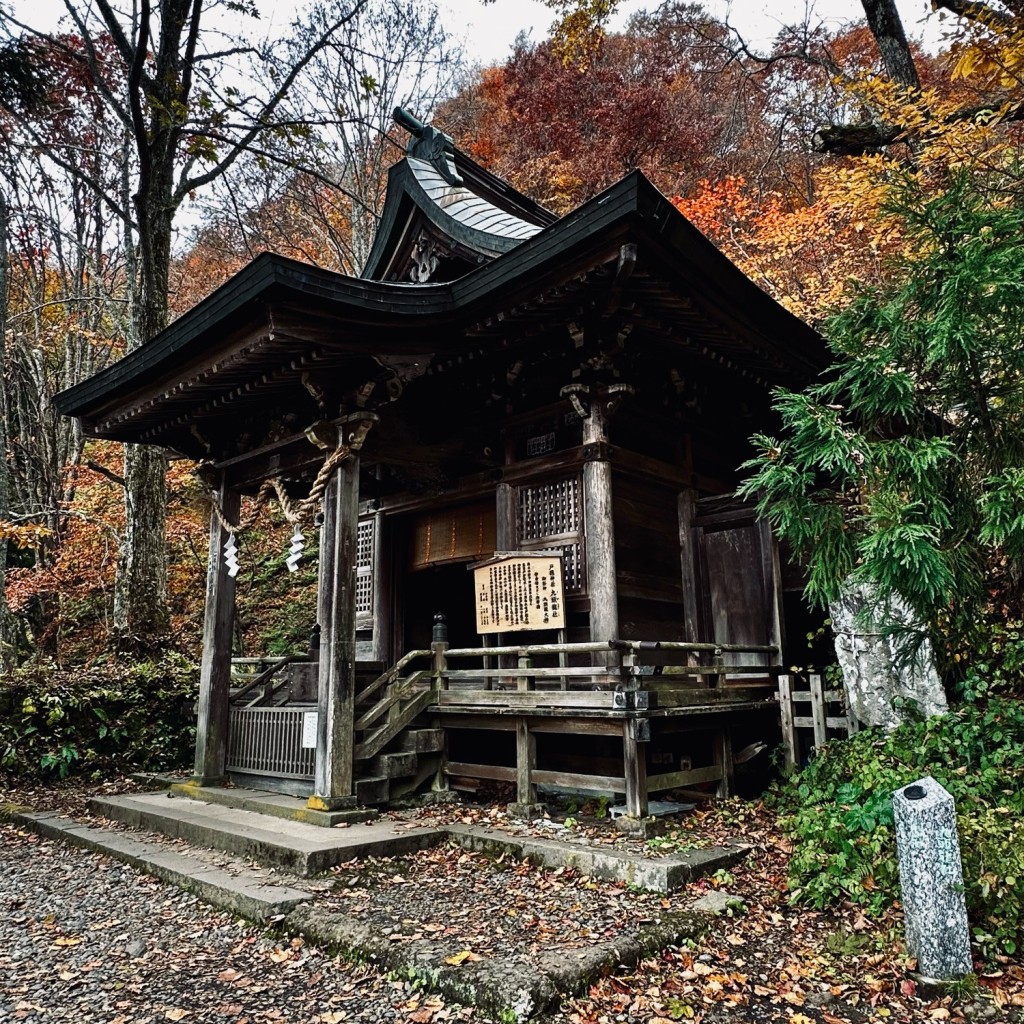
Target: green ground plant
[
  {"x": 109, "y": 718},
  {"x": 838, "y": 812}
]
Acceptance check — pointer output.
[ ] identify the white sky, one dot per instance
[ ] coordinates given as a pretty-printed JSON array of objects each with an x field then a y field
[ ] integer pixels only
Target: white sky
[{"x": 490, "y": 30}]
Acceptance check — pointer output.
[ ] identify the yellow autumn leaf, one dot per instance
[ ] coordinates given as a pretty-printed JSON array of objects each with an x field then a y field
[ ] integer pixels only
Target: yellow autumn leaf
[
  {"x": 460, "y": 958},
  {"x": 67, "y": 940},
  {"x": 176, "y": 1014}
]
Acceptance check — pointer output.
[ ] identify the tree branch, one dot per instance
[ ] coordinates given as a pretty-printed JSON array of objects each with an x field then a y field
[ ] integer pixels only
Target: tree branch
[
  {"x": 103, "y": 471},
  {"x": 262, "y": 120}
]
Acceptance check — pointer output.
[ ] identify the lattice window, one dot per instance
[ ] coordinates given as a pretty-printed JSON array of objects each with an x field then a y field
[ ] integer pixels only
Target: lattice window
[
  {"x": 364, "y": 568},
  {"x": 549, "y": 510},
  {"x": 550, "y": 516}
]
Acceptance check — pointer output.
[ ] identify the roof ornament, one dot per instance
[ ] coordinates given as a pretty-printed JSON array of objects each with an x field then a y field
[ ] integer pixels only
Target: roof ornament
[{"x": 429, "y": 144}]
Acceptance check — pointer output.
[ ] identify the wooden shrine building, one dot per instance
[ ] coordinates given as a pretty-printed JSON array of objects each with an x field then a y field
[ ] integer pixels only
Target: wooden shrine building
[{"x": 527, "y": 423}]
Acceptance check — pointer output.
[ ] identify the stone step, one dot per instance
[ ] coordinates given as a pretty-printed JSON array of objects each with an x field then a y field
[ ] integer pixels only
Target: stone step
[
  {"x": 422, "y": 741},
  {"x": 399, "y": 764},
  {"x": 372, "y": 789},
  {"x": 279, "y": 805},
  {"x": 300, "y": 848},
  {"x": 243, "y": 891}
]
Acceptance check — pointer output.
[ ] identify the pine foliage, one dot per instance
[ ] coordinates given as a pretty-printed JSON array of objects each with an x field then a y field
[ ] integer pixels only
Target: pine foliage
[{"x": 904, "y": 465}]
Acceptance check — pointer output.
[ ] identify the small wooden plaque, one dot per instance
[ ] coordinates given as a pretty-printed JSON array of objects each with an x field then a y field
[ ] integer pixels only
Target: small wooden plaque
[{"x": 519, "y": 591}]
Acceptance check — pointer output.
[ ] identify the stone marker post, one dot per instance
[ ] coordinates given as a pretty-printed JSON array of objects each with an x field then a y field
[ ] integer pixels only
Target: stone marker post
[{"x": 931, "y": 880}]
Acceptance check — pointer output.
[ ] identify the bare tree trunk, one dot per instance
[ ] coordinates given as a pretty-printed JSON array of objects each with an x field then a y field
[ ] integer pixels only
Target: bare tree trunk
[
  {"x": 6, "y": 619},
  {"x": 887, "y": 28},
  {"x": 141, "y": 615}
]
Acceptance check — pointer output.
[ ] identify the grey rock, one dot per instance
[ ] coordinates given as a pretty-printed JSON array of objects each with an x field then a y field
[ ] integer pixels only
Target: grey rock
[
  {"x": 931, "y": 880},
  {"x": 135, "y": 948},
  {"x": 717, "y": 902},
  {"x": 868, "y": 654}
]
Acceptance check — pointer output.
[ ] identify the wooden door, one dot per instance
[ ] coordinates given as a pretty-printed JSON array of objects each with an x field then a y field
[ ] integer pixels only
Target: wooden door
[{"x": 736, "y": 587}]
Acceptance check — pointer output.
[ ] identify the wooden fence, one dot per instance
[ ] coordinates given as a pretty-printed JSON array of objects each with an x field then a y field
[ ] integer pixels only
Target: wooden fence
[{"x": 828, "y": 711}]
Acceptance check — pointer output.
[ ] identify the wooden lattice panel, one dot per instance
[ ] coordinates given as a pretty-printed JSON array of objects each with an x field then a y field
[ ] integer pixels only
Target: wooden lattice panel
[
  {"x": 364, "y": 568},
  {"x": 550, "y": 516},
  {"x": 549, "y": 510}
]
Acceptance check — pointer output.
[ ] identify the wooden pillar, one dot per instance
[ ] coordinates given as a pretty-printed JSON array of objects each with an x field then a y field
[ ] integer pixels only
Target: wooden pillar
[
  {"x": 723, "y": 759},
  {"x": 600, "y": 527},
  {"x": 772, "y": 572},
  {"x": 336, "y": 613},
  {"x": 635, "y": 762},
  {"x": 218, "y": 630},
  {"x": 382, "y": 571},
  {"x": 688, "y": 567},
  {"x": 526, "y": 762}
]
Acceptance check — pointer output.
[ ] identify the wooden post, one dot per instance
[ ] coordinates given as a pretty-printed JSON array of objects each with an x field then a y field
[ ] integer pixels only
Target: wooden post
[
  {"x": 635, "y": 762},
  {"x": 688, "y": 566},
  {"x": 772, "y": 574},
  {"x": 218, "y": 629},
  {"x": 336, "y": 603},
  {"x": 439, "y": 646},
  {"x": 818, "y": 712},
  {"x": 599, "y": 524},
  {"x": 526, "y": 762},
  {"x": 382, "y": 627},
  {"x": 723, "y": 759},
  {"x": 786, "y": 714}
]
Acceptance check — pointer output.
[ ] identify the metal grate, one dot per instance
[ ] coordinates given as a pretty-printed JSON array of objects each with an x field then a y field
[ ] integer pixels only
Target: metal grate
[
  {"x": 268, "y": 741},
  {"x": 364, "y": 567},
  {"x": 550, "y": 517}
]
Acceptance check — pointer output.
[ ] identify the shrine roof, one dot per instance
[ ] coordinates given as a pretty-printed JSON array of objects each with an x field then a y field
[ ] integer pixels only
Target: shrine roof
[
  {"x": 263, "y": 331},
  {"x": 470, "y": 212}
]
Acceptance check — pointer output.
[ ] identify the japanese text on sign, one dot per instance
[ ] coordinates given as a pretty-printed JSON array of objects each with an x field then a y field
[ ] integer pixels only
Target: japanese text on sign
[{"x": 522, "y": 592}]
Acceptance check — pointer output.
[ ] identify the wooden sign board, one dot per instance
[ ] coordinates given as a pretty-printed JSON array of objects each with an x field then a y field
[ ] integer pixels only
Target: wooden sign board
[{"x": 519, "y": 591}]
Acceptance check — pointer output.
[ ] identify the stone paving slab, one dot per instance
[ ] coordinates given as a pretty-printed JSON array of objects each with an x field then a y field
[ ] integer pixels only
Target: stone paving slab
[
  {"x": 299, "y": 847},
  {"x": 278, "y": 805},
  {"x": 245, "y": 896},
  {"x": 513, "y": 989},
  {"x": 659, "y": 874}
]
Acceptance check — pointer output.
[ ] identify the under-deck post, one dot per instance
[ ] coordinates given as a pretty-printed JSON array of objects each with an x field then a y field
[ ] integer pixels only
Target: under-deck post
[
  {"x": 600, "y": 528},
  {"x": 336, "y": 612},
  {"x": 635, "y": 763},
  {"x": 526, "y": 763},
  {"x": 218, "y": 629}
]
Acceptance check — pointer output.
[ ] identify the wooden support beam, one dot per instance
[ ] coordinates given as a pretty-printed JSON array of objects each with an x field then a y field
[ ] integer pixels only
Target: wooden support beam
[
  {"x": 788, "y": 724},
  {"x": 218, "y": 629},
  {"x": 724, "y": 761},
  {"x": 635, "y": 764},
  {"x": 772, "y": 574},
  {"x": 599, "y": 524},
  {"x": 526, "y": 762},
  {"x": 382, "y": 598},
  {"x": 336, "y": 613},
  {"x": 818, "y": 712},
  {"x": 688, "y": 566}
]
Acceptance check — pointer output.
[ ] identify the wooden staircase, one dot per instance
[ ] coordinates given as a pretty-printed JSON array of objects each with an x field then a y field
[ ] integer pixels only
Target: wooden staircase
[{"x": 394, "y": 751}]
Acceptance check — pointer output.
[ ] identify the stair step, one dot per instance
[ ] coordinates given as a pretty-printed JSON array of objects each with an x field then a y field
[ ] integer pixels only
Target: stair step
[
  {"x": 395, "y": 765},
  {"x": 279, "y": 805},
  {"x": 423, "y": 741},
  {"x": 373, "y": 789},
  {"x": 300, "y": 848}
]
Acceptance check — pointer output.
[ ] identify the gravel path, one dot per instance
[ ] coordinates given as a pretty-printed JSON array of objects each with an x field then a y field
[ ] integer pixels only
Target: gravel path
[{"x": 84, "y": 938}]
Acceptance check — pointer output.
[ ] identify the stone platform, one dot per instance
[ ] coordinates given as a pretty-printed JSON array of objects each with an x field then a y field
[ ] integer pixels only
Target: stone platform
[{"x": 267, "y": 838}]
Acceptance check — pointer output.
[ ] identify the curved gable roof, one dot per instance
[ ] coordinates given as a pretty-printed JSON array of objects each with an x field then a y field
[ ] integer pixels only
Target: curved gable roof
[{"x": 479, "y": 218}]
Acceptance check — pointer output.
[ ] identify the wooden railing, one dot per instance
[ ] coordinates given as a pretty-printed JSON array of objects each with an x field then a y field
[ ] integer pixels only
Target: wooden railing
[
  {"x": 264, "y": 677},
  {"x": 602, "y": 674}
]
